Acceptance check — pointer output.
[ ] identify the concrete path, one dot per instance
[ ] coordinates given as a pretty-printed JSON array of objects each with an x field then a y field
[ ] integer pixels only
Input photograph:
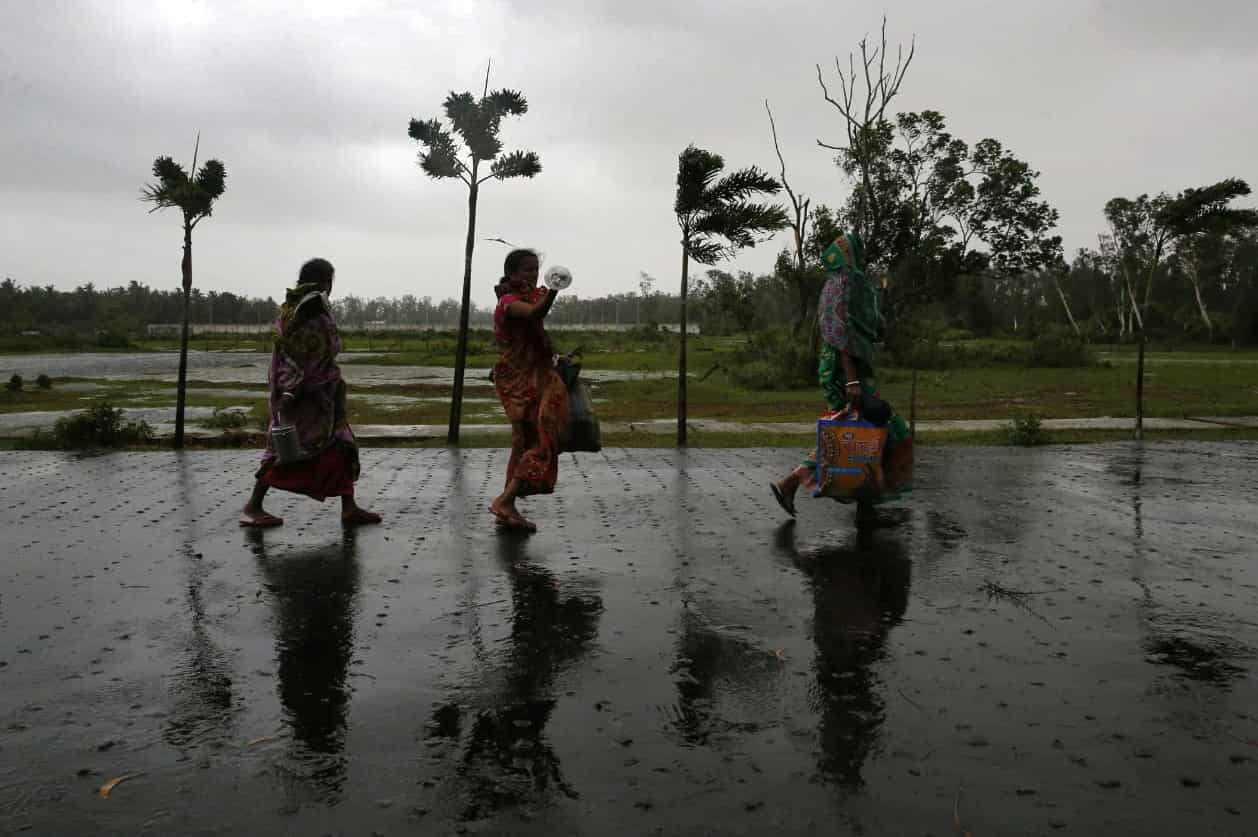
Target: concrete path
[
  {"x": 1047, "y": 641},
  {"x": 669, "y": 426}
]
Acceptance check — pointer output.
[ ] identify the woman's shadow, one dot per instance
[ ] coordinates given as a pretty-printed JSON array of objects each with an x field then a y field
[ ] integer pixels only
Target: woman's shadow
[
  {"x": 506, "y": 758},
  {"x": 860, "y": 589},
  {"x": 313, "y": 593}
]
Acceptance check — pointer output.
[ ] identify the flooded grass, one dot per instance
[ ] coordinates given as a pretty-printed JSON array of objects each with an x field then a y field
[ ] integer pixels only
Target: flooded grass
[{"x": 389, "y": 389}]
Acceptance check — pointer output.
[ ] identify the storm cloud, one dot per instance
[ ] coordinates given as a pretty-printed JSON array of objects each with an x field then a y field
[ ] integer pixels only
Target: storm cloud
[{"x": 308, "y": 110}]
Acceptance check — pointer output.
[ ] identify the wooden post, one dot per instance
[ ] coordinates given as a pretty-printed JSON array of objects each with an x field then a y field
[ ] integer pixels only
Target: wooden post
[
  {"x": 1140, "y": 390},
  {"x": 913, "y": 406}
]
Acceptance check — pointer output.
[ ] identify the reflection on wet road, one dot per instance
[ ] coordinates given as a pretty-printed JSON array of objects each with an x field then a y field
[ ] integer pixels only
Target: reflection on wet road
[{"x": 1049, "y": 641}]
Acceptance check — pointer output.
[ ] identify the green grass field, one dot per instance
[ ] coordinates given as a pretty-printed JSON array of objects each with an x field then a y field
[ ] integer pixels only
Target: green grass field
[{"x": 1188, "y": 381}]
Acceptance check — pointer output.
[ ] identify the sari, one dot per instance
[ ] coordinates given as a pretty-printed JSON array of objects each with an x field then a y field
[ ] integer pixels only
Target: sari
[
  {"x": 850, "y": 317},
  {"x": 533, "y": 395},
  {"x": 303, "y": 364}
]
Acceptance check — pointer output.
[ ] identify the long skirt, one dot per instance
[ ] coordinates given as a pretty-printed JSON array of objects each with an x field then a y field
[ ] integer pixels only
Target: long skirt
[
  {"x": 536, "y": 428},
  {"x": 330, "y": 474}
]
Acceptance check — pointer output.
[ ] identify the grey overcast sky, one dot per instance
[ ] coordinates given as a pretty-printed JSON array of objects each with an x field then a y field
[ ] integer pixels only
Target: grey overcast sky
[{"x": 307, "y": 104}]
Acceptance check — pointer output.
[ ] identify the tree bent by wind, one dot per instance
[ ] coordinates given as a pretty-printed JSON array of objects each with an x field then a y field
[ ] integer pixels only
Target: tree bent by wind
[
  {"x": 476, "y": 123},
  {"x": 194, "y": 196},
  {"x": 717, "y": 217}
]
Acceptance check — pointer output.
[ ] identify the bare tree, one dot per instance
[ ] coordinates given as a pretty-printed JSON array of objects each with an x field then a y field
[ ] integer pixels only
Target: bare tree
[
  {"x": 864, "y": 97},
  {"x": 799, "y": 227}
]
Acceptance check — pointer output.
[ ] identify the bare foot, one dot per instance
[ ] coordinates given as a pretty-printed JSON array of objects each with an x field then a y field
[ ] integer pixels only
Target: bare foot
[
  {"x": 503, "y": 510},
  {"x": 509, "y": 517},
  {"x": 259, "y": 519}
]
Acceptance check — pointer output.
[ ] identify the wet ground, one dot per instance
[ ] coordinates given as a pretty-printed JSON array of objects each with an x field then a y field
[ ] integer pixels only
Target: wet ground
[{"x": 1049, "y": 641}]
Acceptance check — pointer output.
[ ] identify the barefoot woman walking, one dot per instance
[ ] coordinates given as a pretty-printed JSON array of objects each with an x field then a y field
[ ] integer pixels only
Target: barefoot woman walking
[
  {"x": 532, "y": 393},
  {"x": 308, "y": 393}
]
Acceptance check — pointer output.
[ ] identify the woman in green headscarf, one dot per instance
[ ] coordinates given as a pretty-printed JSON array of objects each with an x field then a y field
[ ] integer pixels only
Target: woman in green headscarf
[{"x": 850, "y": 318}]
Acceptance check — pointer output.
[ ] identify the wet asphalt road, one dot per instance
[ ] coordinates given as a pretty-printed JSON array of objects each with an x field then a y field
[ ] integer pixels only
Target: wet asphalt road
[{"x": 1057, "y": 641}]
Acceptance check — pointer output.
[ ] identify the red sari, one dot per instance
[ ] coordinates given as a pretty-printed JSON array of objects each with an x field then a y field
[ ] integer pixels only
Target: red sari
[
  {"x": 532, "y": 394},
  {"x": 303, "y": 364}
]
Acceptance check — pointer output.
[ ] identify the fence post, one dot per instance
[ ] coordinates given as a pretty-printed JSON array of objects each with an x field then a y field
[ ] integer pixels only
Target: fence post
[
  {"x": 913, "y": 405},
  {"x": 1140, "y": 390}
]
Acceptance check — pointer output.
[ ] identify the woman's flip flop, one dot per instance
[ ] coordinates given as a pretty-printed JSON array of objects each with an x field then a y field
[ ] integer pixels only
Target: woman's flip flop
[{"x": 788, "y": 505}]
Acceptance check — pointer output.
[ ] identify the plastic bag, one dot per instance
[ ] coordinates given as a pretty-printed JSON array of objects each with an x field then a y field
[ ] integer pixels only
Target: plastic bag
[
  {"x": 582, "y": 432},
  {"x": 849, "y": 459}
]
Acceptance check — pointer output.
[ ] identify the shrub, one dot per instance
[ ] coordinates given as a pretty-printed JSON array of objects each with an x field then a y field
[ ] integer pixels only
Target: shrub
[
  {"x": 43, "y": 382},
  {"x": 113, "y": 340},
  {"x": 1059, "y": 349},
  {"x": 226, "y": 419},
  {"x": 260, "y": 415},
  {"x": 649, "y": 333},
  {"x": 771, "y": 361},
  {"x": 1026, "y": 431},
  {"x": 926, "y": 354},
  {"x": 99, "y": 426},
  {"x": 15, "y": 383}
]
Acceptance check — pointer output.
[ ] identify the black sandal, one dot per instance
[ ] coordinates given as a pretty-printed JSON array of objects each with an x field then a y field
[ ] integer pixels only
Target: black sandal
[{"x": 788, "y": 506}]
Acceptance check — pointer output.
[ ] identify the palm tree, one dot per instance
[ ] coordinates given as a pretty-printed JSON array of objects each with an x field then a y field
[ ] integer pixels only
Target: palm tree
[
  {"x": 1200, "y": 217},
  {"x": 194, "y": 197},
  {"x": 717, "y": 218},
  {"x": 477, "y": 124}
]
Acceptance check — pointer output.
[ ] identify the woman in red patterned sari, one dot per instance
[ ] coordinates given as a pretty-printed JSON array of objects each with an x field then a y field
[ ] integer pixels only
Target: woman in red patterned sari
[
  {"x": 307, "y": 391},
  {"x": 532, "y": 393}
]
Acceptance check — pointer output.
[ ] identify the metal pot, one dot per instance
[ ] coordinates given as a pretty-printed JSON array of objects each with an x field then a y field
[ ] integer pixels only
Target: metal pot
[{"x": 284, "y": 442}]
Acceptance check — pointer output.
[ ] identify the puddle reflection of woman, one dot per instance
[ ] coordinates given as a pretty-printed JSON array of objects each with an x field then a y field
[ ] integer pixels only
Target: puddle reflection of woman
[
  {"x": 851, "y": 324},
  {"x": 531, "y": 391},
  {"x": 308, "y": 392}
]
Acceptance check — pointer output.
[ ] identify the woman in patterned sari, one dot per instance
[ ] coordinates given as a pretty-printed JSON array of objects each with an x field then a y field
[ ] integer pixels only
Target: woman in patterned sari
[
  {"x": 307, "y": 392},
  {"x": 531, "y": 391},
  {"x": 851, "y": 325}
]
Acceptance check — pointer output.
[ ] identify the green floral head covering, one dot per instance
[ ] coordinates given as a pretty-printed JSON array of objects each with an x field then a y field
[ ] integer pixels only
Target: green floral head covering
[{"x": 845, "y": 253}]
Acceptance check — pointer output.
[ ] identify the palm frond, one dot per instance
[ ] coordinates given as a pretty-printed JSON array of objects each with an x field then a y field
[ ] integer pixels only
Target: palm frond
[
  {"x": 1206, "y": 209},
  {"x": 168, "y": 171},
  {"x": 482, "y": 140},
  {"x": 477, "y": 124},
  {"x": 696, "y": 169},
  {"x": 744, "y": 223},
  {"x": 508, "y": 102},
  {"x": 742, "y": 184},
  {"x": 440, "y": 159},
  {"x": 461, "y": 109},
  {"x": 212, "y": 179},
  {"x": 425, "y": 130},
  {"x": 706, "y": 251},
  {"x": 440, "y": 162},
  {"x": 517, "y": 164},
  {"x": 160, "y": 196}
]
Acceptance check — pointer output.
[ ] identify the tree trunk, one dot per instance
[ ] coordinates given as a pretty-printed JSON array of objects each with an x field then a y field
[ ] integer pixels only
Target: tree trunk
[
  {"x": 181, "y": 388},
  {"x": 681, "y": 366},
  {"x": 801, "y": 313},
  {"x": 1065, "y": 304},
  {"x": 1148, "y": 282},
  {"x": 1135, "y": 308},
  {"x": 1201, "y": 303},
  {"x": 460, "y": 355}
]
